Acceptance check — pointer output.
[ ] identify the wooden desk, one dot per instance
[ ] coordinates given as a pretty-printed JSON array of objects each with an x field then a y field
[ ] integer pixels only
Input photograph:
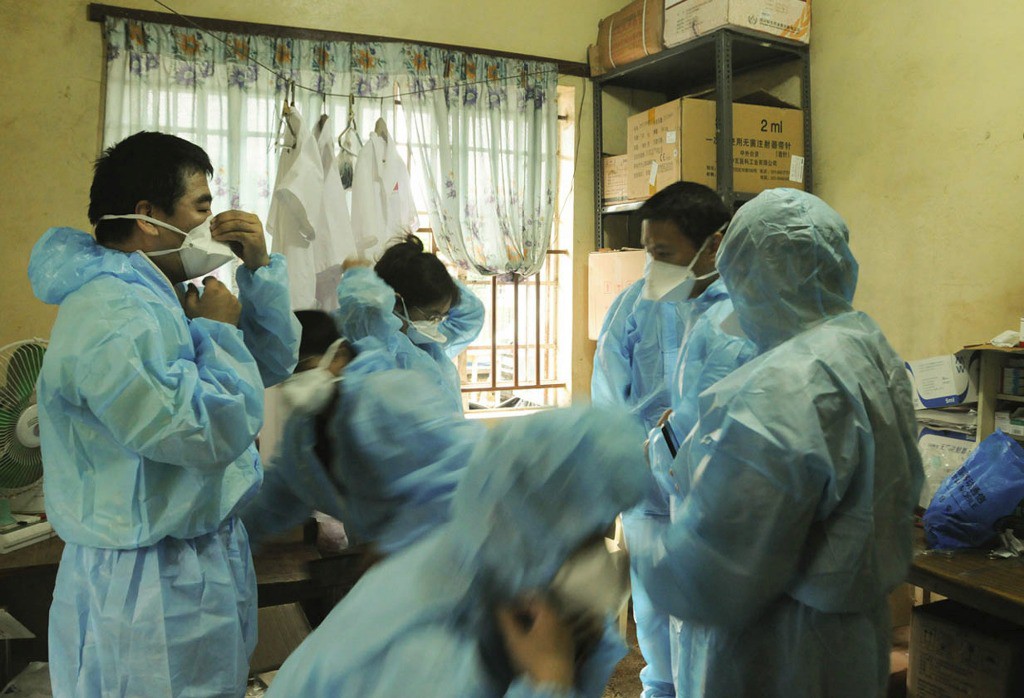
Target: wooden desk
[
  {"x": 282, "y": 568},
  {"x": 972, "y": 578},
  {"x": 43, "y": 554}
]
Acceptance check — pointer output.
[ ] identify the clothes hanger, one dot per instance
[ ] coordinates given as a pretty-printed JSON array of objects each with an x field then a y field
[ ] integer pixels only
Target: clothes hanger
[
  {"x": 350, "y": 128},
  {"x": 381, "y": 127},
  {"x": 323, "y": 112},
  {"x": 286, "y": 110}
]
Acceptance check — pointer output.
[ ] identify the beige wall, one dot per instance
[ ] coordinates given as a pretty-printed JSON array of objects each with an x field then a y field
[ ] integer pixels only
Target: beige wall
[
  {"x": 51, "y": 58},
  {"x": 919, "y": 143}
]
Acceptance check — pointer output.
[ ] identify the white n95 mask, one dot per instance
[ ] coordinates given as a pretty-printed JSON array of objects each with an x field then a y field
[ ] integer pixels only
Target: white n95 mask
[
  {"x": 200, "y": 253},
  {"x": 309, "y": 392},
  {"x": 671, "y": 283},
  {"x": 426, "y": 331},
  {"x": 422, "y": 331},
  {"x": 594, "y": 582}
]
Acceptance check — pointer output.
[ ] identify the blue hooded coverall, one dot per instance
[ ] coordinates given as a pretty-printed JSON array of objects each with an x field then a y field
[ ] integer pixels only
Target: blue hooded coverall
[
  {"x": 422, "y": 624},
  {"x": 800, "y": 477},
  {"x": 147, "y": 421}
]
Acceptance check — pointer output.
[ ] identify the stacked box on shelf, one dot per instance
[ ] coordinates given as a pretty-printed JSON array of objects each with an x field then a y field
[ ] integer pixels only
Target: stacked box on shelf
[
  {"x": 1013, "y": 377},
  {"x": 634, "y": 32},
  {"x": 945, "y": 381},
  {"x": 676, "y": 142},
  {"x": 686, "y": 20},
  {"x": 614, "y": 176}
]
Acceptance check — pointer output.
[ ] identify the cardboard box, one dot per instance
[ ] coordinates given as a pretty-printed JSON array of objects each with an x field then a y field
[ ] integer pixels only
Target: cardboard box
[
  {"x": 632, "y": 33},
  {"x": 945, "y": 381},
  {"x": 676, "y": 141},
  {"x": 686, "y": 20},
  {"x": 614, "y": 175},
  {"x": 594, "y": 61},
  {"x": 1011, "y": 423},
  {"x": 281, "y": 630},
  {"x": 958, "y": 651},
  {"x": 610, "y": 273},
  {"x": 901, "y": 604}
]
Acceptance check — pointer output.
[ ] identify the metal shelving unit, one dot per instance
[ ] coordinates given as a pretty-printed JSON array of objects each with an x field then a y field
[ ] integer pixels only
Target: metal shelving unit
[{"x": 709, "y": 61}]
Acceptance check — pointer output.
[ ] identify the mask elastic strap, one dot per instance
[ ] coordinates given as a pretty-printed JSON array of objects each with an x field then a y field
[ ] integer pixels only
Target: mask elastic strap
[
  {"x": 713, "y": 272},
  {"x": 331, "y": 352},
  {"x": 141, "y": 217},
  {"x": 154, "y": 221},
  {"x": 405, "y": 309}
]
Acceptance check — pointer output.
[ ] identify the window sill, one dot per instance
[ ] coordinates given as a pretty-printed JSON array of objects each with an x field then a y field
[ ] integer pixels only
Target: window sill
[{"x": 492, "y": 417}]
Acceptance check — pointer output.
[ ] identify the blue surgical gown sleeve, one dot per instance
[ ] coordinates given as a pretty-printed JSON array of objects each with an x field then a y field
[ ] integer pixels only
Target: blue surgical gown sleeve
[
  {"x": 200, "y": 413},
  {"x": 366, "y": 306},
  {"x": 735, "y": 543},
  {"x": 270, "y": 328},
  {"x": 612, "y": 378},
  {"x": 276, "y": 508},
  {"x": 416, "y": 448},
  {"x": 464, "y": 321}
]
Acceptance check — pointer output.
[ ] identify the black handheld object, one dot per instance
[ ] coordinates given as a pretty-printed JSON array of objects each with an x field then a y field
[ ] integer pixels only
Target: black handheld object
[{"x": 670, "y": 438}]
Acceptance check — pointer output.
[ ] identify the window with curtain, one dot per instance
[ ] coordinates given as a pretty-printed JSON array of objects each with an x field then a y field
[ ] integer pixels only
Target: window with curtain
[{"x": 486, "y": 180}]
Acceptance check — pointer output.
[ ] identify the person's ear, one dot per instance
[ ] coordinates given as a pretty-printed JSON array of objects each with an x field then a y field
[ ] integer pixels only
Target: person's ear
[
  {"x": 716, "y": 242},
  {"x": 145, "y": 208}
]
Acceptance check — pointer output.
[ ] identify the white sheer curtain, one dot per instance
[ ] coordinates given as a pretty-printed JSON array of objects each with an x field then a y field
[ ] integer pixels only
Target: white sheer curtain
[
  {"x": 483, "y": 148},
  {"x": 487, "y": 147},
  {"x": 206, "y": 87}
]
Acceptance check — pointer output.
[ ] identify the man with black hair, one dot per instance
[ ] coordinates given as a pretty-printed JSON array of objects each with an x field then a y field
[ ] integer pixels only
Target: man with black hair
[
  {"x": 636, "y": 365},
  {"x": 150, "y": 398}
]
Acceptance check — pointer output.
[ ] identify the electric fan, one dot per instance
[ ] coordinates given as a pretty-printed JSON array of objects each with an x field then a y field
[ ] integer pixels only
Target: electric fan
[{"x": 22, "y": 517}]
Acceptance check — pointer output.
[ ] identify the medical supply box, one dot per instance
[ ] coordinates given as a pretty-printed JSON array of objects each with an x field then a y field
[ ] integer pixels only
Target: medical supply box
[
  {"x": 676, "y": 141},
  {"x": 945, "y": 381},
  {"x": 614, "y": 175},
  {"x": 686, "y": 20},
  {"x": 609, "y": 274},
  {"x": 634, "y": 32},
  {"x": 958, "y": 651}
]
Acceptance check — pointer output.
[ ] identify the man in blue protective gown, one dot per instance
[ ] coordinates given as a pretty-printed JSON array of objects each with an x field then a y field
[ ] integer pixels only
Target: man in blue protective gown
[
  {"x": 514, "y": 597},
  {"x": 365, "y": 442},
  {"x": 798, "y": 482},
  {"x": 150, "y": 398},
  {"x": 636, "y": 359}
]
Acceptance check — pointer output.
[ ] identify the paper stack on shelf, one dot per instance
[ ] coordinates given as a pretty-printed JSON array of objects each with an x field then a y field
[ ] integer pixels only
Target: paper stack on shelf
[{"x": 960, "y": 421}]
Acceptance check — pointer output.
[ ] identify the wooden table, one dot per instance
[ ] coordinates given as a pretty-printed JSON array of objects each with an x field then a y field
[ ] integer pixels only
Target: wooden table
[
  {"x": 971, "y": 577},
  {"x": 282, "y": 568}
]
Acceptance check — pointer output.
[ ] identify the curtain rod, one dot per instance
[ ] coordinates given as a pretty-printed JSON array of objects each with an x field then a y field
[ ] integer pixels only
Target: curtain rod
[{"x": 98, "y": 13}]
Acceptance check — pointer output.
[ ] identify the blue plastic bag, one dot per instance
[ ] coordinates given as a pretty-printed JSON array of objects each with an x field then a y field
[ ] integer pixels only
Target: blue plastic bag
[{"x": 982, "y": 498}]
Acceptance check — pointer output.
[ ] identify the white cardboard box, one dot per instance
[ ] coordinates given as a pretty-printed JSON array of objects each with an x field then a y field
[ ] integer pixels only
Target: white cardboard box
[
  {"x": 609, "y": 274},
  {"x": 945, "y": 381},
  {"x": 689, "y": 19}
]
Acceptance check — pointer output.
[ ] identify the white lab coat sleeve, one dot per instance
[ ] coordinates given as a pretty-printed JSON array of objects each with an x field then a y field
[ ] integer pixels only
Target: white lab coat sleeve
[
  {"x": 270, "y": 328},
  {"x": 464, "y": 322},
  {"x": 404, "y": 206},
  {"x": 200, "y": 413},
  {"x": 368, "y": 222}
]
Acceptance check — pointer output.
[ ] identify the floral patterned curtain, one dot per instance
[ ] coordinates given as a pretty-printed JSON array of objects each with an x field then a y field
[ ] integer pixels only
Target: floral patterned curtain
[
  {"x": 482, "y": 130},
  {"x": 207, "y": 87},
  {"x": 487, "y": 146}
]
